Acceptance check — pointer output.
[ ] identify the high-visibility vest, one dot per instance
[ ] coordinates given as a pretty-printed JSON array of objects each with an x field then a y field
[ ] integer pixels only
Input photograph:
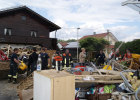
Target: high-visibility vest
[
  {"x": 58, "y": 58},
  {"x": 64, "y": 54}
]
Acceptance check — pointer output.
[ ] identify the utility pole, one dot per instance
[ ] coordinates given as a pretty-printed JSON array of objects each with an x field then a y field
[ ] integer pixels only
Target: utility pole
[{"x": 77, "y": 43}]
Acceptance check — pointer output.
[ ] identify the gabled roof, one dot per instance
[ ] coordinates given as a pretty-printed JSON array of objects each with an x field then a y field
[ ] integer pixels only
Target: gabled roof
[
  {"x": 72, "y": 45},
  {"x": 43, "y": 20},
  {"x": 63, "y": 44},
  {"x": 101, "y": 35}
]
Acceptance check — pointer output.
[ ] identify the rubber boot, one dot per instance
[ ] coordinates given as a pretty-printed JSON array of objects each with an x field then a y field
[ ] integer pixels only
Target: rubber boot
[
  {"x": 9, "y": 79},
  {"x": 14, "y": 81}
]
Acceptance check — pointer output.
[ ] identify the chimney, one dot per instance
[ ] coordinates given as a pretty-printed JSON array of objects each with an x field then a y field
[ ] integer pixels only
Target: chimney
[
  {"x": 108, "y": 31},
  {"x": 94, "y": 33}
]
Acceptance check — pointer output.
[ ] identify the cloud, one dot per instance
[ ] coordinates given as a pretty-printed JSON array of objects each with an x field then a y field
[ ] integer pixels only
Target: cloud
[
  {"x": 125, "y": 33},
  {"x": 132, "y": 37},
  {"x": 90, "y": 15}
]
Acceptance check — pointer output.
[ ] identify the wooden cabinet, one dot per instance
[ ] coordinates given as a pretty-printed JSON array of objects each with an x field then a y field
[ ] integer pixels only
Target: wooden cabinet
[{"x": 50, "y": 85}]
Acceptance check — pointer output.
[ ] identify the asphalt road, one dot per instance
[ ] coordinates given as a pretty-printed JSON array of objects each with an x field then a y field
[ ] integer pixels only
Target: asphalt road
[{"x": 8, "y": 91}]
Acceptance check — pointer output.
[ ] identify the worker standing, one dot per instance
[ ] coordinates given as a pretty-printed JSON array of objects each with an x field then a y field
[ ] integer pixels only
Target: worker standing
[
  {"x": 116, "y": 55},
  {"x": 82, "y": 56},
  {"x": 127, "y": 55},
  {"x": 13, "y": 67},
  {"x": 67, "y": 59},
  {"x": 33, "y": 60},
  {"x": 100, "y": 58},
  {"x": 45, "y": 59},
  {"x": 57, "y": 61}
]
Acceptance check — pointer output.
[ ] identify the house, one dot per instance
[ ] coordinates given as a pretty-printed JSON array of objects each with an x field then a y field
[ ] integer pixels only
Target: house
[
  {"x": 23, "y": 26},
  {"x": 63, "y": 44},
  {"x": 107, "y": 36}
]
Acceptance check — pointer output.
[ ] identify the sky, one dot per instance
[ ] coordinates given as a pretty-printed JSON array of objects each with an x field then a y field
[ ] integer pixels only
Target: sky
[{"x": 88, "y": 15}]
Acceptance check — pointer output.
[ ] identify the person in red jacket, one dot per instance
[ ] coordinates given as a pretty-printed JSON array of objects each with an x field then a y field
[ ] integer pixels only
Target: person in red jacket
[
  {"x": 127, "y": 55},
  {"x": 116, "y": 55}
]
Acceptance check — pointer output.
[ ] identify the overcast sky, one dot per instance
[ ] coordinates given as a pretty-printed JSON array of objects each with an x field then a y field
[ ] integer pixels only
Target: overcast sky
[{"x": 90, "y": 15}]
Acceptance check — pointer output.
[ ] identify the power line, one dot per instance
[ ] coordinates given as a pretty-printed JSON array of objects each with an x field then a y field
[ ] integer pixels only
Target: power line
[{"x": 80, "y": 28}]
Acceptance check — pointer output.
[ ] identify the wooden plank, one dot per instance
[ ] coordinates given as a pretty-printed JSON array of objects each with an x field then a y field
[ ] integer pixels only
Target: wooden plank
[
  {"x": 100, "y": 81},
  {"x": 111, "y": 72},
  {"x": 99, "y": 71},
  {"x": 100, "y": 77}
]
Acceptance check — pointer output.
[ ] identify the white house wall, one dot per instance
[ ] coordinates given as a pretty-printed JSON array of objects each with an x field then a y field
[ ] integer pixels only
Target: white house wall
[{"x": 110, "y": 39}]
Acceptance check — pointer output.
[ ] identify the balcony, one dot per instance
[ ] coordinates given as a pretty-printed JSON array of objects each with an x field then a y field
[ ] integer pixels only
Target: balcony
[{"x": 26, "y": 40}]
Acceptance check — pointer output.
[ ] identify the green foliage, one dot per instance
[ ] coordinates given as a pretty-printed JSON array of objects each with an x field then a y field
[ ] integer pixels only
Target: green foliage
[
  {"x": 134, "y": 46},
  {"x": 122, "y": 48},
  {"x": 70, "y": 40},
  {"x": 60, "y": 40},
  {"x": 93, "y": 44}
]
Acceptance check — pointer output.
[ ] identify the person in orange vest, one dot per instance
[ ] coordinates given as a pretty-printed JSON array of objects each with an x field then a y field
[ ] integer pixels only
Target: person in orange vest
[
  {"x": 57, "y": 61},
  {"x": 67, "y": 59}
]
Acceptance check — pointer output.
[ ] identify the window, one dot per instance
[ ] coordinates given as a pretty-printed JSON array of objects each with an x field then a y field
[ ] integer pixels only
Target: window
[
  {"x": 23, "y": 17},
  {"x": 7, "y": 31},
  {"x": 33, "y": 33},
  {"x": 110, "y": 42}
]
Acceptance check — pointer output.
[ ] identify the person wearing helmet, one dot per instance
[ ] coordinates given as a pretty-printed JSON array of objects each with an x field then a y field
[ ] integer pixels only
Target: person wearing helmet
[
  {"x": 67, "y": 59},
  {"x": 13, "y": 67}
]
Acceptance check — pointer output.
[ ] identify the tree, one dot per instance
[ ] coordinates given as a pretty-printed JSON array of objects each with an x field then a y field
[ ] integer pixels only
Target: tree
[
  {"x": 134, "y": 46},
  {"x": 93, "y": 44},
  {"x": 122, "y": 48},
  {"x": 61, "y": 41},
  {"x": 70, "y": 40}
]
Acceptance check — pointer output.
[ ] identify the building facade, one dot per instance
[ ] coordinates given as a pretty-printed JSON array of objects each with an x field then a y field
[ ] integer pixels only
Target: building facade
[
  {"x": 21, "y": 25},
  {"x": 107, "y": 36}
]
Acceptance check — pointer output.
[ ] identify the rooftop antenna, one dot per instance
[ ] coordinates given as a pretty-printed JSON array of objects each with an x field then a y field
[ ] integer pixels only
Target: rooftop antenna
[
  {"x": 108, "y": 31},
  {"x": 94, "y": 33}
]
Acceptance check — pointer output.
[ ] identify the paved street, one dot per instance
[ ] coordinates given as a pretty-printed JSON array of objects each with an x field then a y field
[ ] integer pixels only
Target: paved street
[{"x": 8, "y": 91}]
